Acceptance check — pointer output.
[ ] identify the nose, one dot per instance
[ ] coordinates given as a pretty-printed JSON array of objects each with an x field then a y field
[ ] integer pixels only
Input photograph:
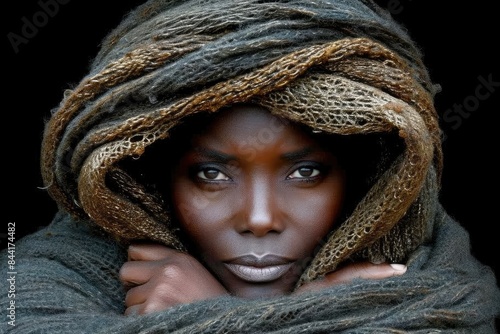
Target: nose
[{"x": 262, "y": 214}]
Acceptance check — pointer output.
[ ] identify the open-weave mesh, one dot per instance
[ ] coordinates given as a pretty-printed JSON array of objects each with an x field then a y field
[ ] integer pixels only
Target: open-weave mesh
[
  {"x": 340, "y": 67},
  {"x": 305, "y": 62},
  {"x": 341, "y": 106},
  {"x": 445, "y": 290}
]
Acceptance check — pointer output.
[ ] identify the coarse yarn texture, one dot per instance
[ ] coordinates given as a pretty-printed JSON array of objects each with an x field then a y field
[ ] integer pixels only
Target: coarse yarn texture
[
  {"x": 60, "y": 290},
  {"x": 339, "y": 67}
]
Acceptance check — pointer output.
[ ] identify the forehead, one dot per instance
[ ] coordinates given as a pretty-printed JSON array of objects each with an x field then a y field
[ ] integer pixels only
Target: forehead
[{"x": 247, "y": 124}]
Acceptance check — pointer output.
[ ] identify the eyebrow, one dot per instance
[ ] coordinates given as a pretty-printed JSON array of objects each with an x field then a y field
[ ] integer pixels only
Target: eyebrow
[
  {"x": 300, "y": 154},
  {"x": 214, "y": 155},
  {"x": 226, "y": 158}
]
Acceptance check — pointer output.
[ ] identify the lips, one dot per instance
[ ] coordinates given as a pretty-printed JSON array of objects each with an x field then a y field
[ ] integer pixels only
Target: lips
[{"x": 255, "y": 269}]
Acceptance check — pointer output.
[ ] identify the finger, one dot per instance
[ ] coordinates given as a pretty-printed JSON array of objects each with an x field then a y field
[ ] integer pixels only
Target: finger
[
  {"x": 133, "y": 310},
  {"x": 134, "y": 273},
  {"x": 137, "y": 295},
  {"x": 149, "y": 252},
  {"x": 353, "y": 271},
  {"x": 145, "y": 308},
  {"x": 365, "y": 270}
]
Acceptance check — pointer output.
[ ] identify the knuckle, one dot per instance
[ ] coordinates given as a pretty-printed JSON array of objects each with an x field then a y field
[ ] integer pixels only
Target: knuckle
[
  {"x": 172, "y": 271},
  {"x": 151, "y": 307}
]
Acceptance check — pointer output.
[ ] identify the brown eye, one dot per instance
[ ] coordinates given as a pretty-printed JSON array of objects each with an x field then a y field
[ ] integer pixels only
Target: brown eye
[
  {"x": 212, "y": 175},
  {"x": 304, "y": 172}
]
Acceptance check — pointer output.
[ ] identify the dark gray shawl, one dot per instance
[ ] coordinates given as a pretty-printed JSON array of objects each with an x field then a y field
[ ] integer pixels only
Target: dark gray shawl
[
  {"x": 341, "y": 67},
  {"x": 67, "y": 282}
]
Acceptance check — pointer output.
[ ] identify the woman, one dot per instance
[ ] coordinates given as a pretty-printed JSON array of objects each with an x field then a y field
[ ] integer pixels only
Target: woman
[{"x": 339, "y": 77}]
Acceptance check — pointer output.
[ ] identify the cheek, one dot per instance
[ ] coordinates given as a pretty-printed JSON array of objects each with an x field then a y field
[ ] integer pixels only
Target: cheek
[
  {"x": 200, "y": 214},
  {"x": 315, "y": 212}
]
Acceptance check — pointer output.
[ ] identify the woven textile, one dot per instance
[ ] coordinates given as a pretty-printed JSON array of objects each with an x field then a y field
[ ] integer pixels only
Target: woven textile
[{"x": 340, "y": 68}]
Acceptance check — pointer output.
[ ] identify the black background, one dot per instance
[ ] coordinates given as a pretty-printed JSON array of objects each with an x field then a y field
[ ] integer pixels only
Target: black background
[{"x": 458, "y": 42}]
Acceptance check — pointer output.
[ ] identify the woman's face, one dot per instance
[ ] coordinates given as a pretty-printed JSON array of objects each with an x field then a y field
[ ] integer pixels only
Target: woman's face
[{"x": 256, "y": 195}]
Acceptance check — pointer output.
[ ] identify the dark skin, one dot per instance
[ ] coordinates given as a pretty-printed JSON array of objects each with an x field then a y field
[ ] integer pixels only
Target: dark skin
[{"x": 256, "y": 195}]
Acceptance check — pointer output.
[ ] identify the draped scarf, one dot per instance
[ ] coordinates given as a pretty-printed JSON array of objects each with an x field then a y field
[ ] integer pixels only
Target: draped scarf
[{"x": 338, "y": 67}]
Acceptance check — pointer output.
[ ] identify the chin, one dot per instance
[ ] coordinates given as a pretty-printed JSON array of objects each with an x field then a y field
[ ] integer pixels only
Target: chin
[{"x": 258, "y": 291}]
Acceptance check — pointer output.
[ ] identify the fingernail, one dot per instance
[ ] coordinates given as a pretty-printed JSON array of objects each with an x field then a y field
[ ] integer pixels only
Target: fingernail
[{"x": 399, "y": 267}]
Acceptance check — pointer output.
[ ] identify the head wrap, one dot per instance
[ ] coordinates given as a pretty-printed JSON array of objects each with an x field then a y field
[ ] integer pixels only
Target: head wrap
[{"x": 340, "y": 67}]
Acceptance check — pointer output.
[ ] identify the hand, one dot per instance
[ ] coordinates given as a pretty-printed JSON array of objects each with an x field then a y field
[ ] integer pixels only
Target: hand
[
  {"x": 158, "y": 277},
  {"x": 346, "y": 274}
]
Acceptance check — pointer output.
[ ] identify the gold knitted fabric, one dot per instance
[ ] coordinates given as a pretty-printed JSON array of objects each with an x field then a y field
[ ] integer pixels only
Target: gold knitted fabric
[{"x": 159, "y": 67}]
